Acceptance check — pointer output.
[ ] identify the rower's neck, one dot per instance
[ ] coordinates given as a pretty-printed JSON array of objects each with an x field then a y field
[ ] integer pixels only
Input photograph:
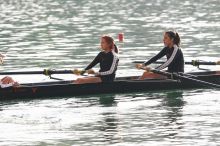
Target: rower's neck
[
  {"x": 107, "y": 51},
  {"x": 171, "y": 46}
]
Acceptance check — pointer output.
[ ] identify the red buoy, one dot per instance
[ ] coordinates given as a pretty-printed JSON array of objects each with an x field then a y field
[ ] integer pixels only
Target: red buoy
[{"x": 121, "y": 37}]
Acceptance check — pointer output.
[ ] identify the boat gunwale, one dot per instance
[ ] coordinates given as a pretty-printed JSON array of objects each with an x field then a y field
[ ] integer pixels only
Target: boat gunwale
[{"x": 116, "y": 81}]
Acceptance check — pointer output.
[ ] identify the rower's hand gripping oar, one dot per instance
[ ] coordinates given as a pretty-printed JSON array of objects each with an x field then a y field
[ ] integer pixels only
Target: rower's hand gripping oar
[{"x": 183, "y": 77}]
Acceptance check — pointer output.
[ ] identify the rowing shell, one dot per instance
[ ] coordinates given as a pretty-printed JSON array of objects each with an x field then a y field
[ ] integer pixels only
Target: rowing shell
[{"x": 120, "y": 85}]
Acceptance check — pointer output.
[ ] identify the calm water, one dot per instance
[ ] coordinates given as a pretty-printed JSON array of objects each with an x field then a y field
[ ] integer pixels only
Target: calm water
[{"x": 38, "y": 34}]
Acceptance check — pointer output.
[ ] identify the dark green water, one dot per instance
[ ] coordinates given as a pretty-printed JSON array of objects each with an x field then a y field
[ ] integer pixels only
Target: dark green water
[{"x": 38, "y": 34}]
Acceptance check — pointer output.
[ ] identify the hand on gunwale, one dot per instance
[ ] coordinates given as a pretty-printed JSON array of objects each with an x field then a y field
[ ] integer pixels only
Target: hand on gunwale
[
  {"x": 147, "y": 68},
  {"x": 139, "y": 66}
]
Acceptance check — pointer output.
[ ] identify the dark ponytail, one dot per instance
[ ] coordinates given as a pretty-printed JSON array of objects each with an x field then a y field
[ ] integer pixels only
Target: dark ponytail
[
  {"x": 175, "y": 36},
  {"x": 116, "y": 49}
]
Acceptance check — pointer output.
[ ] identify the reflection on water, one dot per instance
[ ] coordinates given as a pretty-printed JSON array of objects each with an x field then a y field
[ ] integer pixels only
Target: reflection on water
[
  {"x": 163, "y": 118},
  {"x": 155, "y": 112},
  {"x": 107, "y": 100},
  {"x": 174, "y": 103}
]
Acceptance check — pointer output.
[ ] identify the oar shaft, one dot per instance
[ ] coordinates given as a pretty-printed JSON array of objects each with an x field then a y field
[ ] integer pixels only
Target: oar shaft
[
  {"x": 193, "y": 62},
  {"x": 44, "y": 72},
  {"x": 204, "y": 83},
  {"x": 21, "y": 72}
]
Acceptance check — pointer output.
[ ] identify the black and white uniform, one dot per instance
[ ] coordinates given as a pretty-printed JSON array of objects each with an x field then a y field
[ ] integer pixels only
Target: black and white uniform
[
  {"x": 108, "y": 65},
  {"x": 175, "y": 59}
]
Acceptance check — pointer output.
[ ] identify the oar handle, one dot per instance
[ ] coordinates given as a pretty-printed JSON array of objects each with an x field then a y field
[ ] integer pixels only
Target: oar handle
[
  {"x": 49, "y": 72},
  {"x": 198, "y": 62}
]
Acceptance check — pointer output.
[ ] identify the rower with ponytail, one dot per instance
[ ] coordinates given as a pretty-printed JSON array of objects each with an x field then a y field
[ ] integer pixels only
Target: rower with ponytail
[
  {"x": 108, "y": 60},
  {"x": 173, "y": 53}
]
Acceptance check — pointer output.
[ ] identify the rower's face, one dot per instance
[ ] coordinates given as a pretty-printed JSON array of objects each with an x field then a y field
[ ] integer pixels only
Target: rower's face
[
  {"x": 104, "y": 44},
  {"x": 167, "y": 40}
]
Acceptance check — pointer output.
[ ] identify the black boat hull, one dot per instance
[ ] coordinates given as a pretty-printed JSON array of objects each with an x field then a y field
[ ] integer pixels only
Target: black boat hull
[{"x": 121, "y": 85}]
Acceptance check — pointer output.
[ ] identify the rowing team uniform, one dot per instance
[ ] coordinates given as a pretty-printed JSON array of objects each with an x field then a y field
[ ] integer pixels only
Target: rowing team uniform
[
  {"x": 108, "y": 65},
  {"x": 175, "y": 59}
]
